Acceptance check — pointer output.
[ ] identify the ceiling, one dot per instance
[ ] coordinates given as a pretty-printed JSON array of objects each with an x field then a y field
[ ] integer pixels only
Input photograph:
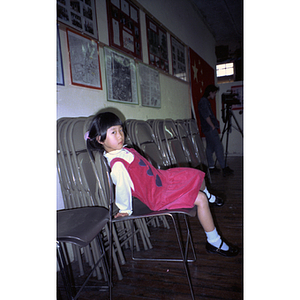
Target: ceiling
[{"x": 224, "y": 18}]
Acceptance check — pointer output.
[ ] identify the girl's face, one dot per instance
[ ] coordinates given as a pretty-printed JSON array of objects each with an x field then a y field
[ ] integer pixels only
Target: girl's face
[{"x": 114, "y": 139}]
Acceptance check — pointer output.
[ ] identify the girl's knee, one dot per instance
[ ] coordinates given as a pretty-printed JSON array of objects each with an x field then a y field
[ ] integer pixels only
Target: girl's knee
[{"x": 201, "y": 199}]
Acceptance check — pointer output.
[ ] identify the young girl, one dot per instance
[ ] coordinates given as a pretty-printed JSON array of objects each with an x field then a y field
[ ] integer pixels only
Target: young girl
[{"x": 134, "y": 176}]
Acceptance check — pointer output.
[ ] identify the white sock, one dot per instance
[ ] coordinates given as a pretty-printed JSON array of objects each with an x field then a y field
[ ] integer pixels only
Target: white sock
[
  {"x": 211, "y": 198},
  {"x": 214, "y": 239}
]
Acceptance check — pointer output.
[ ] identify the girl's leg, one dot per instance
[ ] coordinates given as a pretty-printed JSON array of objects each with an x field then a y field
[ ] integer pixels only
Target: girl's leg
[
  {"x": 203, "y": 211},
  {"x": 211, "y": 198},
  {"x": 215, "y": 244}
]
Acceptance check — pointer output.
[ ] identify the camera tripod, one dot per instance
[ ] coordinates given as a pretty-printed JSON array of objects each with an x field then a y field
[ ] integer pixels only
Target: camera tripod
[{"x": 228, "y": 125}]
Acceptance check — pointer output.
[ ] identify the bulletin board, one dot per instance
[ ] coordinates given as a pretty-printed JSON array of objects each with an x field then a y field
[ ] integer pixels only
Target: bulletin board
[
  {"x": 121, "y": 77},
  {"x": 149, "y": 86},
  {"x": 84, "y": 61},
  {"x": 59, "y": 63},
  {"x": 80, "y": 15},
  {"x": 124, "y": 27},
  {"x": 157, "y": 45},
  {"x": 178, "y": 59}
]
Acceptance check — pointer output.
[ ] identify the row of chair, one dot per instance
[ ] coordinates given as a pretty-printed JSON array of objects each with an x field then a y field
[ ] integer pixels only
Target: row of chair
[
  {"x": 82, "y": 186},
  {"x": 85, "y": 182},
  {"x": 168, "y": 143}
]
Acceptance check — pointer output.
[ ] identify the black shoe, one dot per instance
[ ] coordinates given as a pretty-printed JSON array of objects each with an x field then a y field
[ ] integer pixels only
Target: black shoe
[
  {"x": 232, "y": 251},
  {"x": 218, "y": 202},
  {"x": 227, "y": 171}
]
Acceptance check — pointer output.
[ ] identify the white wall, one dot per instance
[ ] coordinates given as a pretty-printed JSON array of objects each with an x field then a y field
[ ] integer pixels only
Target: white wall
[
  {"x": 182, "y": 21},
  {"x": 180, "y": 18}
]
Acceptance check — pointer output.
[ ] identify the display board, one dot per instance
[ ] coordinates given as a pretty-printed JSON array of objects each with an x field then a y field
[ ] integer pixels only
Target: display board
[
  {"x": 59, "y": 64},
  {"x": 84, "y": 61},
  {"x": 157, "y": 45},
  {"x": 149, "y": 86},
  {"x": 178, "y": 59},
  {"x": 121, "y": 77},
  {"x": 124, "y": 27},
  {"x": 80, "y": 15}
]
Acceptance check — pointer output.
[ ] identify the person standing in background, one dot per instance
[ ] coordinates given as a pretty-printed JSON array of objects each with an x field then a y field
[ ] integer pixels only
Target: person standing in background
[{"x": 209, "y": 126}]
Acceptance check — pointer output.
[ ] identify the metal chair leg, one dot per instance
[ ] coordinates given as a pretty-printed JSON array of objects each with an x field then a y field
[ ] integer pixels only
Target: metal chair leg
[{"x": 183, "y": 251}]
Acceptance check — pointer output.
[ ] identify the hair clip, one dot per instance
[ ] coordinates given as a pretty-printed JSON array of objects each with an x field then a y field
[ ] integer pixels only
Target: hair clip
[{"x": 86, "y": 136}]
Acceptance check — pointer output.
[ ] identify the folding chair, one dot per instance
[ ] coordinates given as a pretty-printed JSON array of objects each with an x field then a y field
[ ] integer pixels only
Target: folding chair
[
  {"x": 63, "y": 174},
  {"x": 90, "y": 189},
  {"x": 144, "y": 140},
  {"x": 78, "y": 183},
  {"x": 187, "y": 144},
  {"x": 144, "y": 212},
  {"x": 80, "y": 227},
  {"x": 158, "y": 130},
  {"x": 168, "y": 135},
  {"x": 198, "y": 145}
]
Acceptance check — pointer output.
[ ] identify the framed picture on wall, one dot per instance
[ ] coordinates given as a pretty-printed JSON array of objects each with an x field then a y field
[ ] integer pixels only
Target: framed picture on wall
[
  {"x": 80, "y": 15},
  {"x": 178, "y": 59},
  {"x": 121, "y": 77},
  {"x": 124, "y": 27},
  {"x": 157, "y": 45},
  {"x": 59, "y": 65},
  {"x": 84, "y": 61},
  {"x": 149, "y": 86}
]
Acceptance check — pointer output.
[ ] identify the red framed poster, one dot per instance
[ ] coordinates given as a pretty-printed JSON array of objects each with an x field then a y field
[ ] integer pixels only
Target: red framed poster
[
  {"x": 84, "y": 61},
  {"x": 124, "y": 27},
  {"x": 157, "y": 45}
]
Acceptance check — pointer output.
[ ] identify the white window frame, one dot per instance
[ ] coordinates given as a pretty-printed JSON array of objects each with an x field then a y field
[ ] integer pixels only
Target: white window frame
[{"x": 225, "y": 69}]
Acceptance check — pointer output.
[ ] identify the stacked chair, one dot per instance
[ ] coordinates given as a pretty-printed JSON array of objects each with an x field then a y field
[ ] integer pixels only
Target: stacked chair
[
  {"x": 85, "y": 182},
  {"x": 192, "y": 145},
  {"x": 182, "y": 142},
  {"x": 82, "y": 233},
  {"x": 82, "y": 187}
]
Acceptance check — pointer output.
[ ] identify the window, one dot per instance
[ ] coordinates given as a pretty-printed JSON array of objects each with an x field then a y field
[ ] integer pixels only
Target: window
[{"x": 225, "y": 70}]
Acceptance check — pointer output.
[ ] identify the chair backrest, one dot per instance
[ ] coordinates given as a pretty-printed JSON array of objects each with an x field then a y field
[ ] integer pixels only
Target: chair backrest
[
  {"x": 157, "y": 127},
  {"x": 64, "y": 166},
  {"x": 128, "y": 128},
  {"x": 92, "y": 183},
  {"x": 76, "y": 174},
  {"x": 197, "y": 141},
  {"x": 187, "y": 144},
  {"x": 145, "y": 141},
  {"x": 168, "y": 132}
]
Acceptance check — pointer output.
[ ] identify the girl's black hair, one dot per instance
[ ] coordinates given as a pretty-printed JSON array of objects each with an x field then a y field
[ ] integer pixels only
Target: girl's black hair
[
  {"x": 99, "y": 125},
  {"x": 210, "y": 88}
]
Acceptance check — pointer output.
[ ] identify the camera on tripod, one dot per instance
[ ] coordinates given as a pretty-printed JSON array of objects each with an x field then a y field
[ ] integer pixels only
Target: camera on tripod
[{"x": 228, "y": 99}]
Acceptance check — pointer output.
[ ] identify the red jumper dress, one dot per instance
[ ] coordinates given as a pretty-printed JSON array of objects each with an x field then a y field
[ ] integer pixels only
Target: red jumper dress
[{"x": 162, "y": 189}]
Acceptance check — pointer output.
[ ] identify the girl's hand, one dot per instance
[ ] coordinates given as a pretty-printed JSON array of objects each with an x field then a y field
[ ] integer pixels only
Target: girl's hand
[{"x": 118, "y": 215}]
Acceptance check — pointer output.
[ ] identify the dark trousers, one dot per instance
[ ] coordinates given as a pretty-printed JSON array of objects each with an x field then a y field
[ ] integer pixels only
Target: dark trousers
[{"x": 214, "y": 144}]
